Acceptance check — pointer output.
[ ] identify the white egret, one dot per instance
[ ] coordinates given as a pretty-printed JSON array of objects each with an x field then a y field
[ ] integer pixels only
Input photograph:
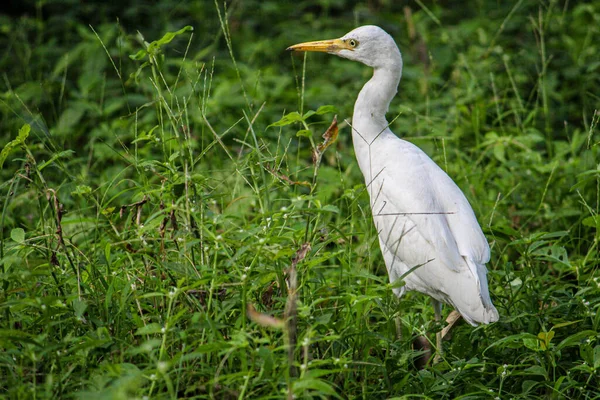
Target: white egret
[{"x": 422, "y": 217}]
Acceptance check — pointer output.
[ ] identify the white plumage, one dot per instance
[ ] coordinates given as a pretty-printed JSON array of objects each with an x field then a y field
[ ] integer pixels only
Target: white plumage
[{"x": 423, "y": 219}]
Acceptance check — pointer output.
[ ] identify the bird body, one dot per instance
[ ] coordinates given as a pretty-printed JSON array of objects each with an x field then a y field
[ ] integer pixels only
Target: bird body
[{"x": 428, "y": 232}]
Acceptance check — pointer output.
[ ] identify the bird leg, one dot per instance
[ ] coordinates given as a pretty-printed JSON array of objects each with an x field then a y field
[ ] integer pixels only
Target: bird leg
[{"x": 437, "y": 309}]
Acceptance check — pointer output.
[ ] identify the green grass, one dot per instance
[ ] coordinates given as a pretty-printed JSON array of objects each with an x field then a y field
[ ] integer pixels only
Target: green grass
[{"x": 155, "y": 185}]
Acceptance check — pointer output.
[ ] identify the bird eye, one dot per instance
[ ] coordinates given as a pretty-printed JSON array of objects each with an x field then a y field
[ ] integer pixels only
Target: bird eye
[{"x": 352, "y": 43}]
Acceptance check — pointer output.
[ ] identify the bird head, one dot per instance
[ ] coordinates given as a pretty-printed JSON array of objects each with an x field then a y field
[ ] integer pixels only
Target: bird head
[{"x": 367, "y": 44}]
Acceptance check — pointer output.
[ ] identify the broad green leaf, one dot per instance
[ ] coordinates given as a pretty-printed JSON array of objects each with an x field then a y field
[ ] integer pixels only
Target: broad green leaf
[
  {"x": 545, "y": 338},
  {"x": 317, "y": 385},
  {"x": 512, "y": 340},
  {"x": 324, "y": 318},
  {"x": 70, "y": 118},
  {"x": 18, "y": 235},
  {"x": 18, "y": 336},
  {"x": 558, "y": 383},
  {"x": 498, "y": 151},
  {"x": 554, "y": 253},
  {"x": 575, "y": 339},
  {"x": 587, "y": 353}
]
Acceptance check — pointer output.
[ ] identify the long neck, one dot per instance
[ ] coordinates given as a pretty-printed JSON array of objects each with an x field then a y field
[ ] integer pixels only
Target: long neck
[{"x": 372, "y": 103}]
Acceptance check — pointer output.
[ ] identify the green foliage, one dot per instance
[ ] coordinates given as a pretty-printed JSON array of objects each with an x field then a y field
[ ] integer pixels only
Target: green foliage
[
  {"x": 149, "y": 200},
  {"x": 10, "y": 146}
]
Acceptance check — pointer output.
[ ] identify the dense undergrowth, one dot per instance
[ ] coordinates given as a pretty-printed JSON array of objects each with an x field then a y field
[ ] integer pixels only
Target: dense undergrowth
[{"x": 158, "y": 188}]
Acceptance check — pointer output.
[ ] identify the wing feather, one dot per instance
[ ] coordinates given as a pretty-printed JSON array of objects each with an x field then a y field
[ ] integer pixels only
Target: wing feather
[{"x": 410, "y": 185}]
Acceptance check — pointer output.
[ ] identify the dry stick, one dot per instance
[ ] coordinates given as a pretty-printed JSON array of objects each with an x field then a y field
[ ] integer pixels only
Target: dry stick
[
  {"x": 173, "y": 219},
  {"x": 161, "y": 230},
  {"x": 291, "y": 314},
  {"x": 58, "y": 208},
  {"x": 138, "y": 206},
  {"x": 330, "y": 136}
]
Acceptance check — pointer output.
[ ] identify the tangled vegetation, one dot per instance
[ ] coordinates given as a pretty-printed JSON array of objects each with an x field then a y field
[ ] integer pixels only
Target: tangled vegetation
[{"x": 174, "y": 226}]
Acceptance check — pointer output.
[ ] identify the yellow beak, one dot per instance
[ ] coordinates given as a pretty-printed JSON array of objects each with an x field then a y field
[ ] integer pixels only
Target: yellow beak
[{"x": 325, "y": 46}]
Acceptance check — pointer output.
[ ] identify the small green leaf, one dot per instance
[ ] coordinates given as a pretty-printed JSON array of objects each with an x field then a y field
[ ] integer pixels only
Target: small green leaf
[
  {"x": 308, "y": 114},
  {"x": 398, "y": 283},
  {"x": 545, "y": 338},
  {"x": 326, "y": 110},
  {"x": 288, "y": 119},
  {"x": 317, "y": 385},
  {"x": 563, "y": 324},
  {"x": 154, "y": 47},
  {"x": 62, "y": 154},
  {"x": 70, "y": 118},
  {"x": 21, "y": 137},
  {"x": 212, "y": 347},
  {"x": 268, "y": 360},
  {"x": 82, "y": 190},
  {"x": 324, "y": 319},
  {"x": 107, "y": 253},
  {"x": 331, "y": 208},
  {"x": 597, "y": 357},
  {"x": 587, "y": 353},
  {"x": 499, "y": 151},
  {"x": 79, "y": 307},
  {"x": 19, "y": 336},
  {"x": 593, "y": 221},
  {"x": 135, "y": 75},
  {"x": 532, "y": 344},
  {"x": 174, "y": 156},
  {"x": 528, "y": 385},
  {"x": 141, "y": 54},
  {"x": 575, "y": 339},
  {"x": 146, "y": 347},
  {"x": 150, "y": 329},
  {"x": 169, "y": 36},
  {"x": 18, "y": 235},
  {"x": 304, "y": 133},
  {"x": 145, "y": 136}
]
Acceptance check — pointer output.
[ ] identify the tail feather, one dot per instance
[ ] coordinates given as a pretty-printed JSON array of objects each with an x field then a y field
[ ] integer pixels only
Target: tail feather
[{"x": 485, "y": 312}]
